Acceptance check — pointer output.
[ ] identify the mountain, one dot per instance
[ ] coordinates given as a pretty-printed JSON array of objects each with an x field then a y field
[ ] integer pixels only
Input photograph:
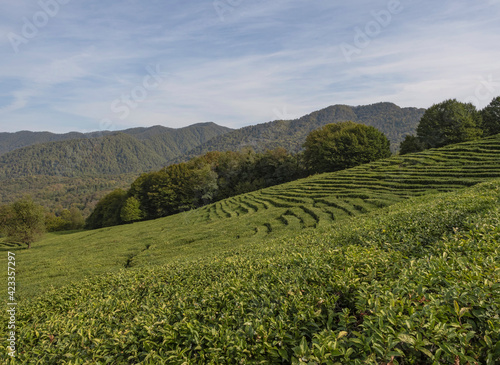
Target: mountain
[
  {"x": 393, "y": 121},
  {"x": 130, "y": 151},
  {"x": 76, "y": 168},
  {"x": 80, "y": 169},
  {"x": 190, "y": 135}
]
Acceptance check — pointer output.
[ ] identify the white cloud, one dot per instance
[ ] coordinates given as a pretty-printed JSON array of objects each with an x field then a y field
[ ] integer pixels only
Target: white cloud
[{"x": 264, "y": 56}]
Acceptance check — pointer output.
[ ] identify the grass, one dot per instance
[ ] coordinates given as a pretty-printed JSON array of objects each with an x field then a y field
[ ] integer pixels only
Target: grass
[
  {"x": 319, "y": 200},
  {"x": 397, "y": 259},
  {"x": 414, "y": 283}
]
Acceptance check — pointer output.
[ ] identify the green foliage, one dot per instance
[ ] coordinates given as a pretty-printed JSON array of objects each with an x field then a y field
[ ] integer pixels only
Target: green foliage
[
  {"x": 13, "y": 141},
  {"x": 310, "y": 271},
  {"x": 65, "y": 220},
  {"x": 393, "y": 121},
  {"x": 449, "y": 122},
  {"x": 319, "y": 201},
  {"x": 58, "y": 192},
  {"x": 203, "y": 180},
  {"x": 414, "y": 284},
  {"x": 411, "y": 144},
  {"x": 59, "y": 171},
  {"x": 491, "y": 117},
  {"x": 23, "y": 221},
  {"x": 131, "y": 211},
  {"x": 108, "y": 211},
  {"x": 130, "y": 151},
  {"x": 343, "y": 145}
]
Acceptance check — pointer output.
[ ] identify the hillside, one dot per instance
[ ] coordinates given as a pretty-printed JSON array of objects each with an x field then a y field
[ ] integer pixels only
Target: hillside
[
  {"x": 393, "y": 121},
  {"x": 13, "y": 141},
  {"x": 181, "y": 139},
  {"x": 132, "y": 151},
  {"x": 60, "y": 192},
  {"x": 81, "y": 171},
  {"x": 242, "y": 281},
  {"x": 317, "y": 201}
]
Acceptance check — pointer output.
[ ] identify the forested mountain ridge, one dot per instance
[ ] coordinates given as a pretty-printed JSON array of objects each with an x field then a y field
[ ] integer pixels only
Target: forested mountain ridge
[
  {"x": 393, "y": 121},
  {"x": 80, "y": 170},
  {"x": 130, "y": 151},
  {"x": 84, "y": 167},
  {"x": 187, "y": 136},
  {"x": 12, "y": 141}
]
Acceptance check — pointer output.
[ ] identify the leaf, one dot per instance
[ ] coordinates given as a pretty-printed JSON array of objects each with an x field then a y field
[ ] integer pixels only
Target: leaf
[
  {"x": 488, "y": 341},
  {"x": 342, "y": 334},
  {"x": 463, "y": 311},
  {"x": 427, "y": 352},
  {"x": 407, "y": 338}
]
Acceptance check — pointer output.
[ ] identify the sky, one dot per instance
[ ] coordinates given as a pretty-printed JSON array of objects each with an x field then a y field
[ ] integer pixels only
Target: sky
[{"x": 74, "y": 65}]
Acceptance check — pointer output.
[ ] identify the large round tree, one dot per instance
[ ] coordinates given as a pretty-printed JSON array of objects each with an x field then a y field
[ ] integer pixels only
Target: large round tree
[
  {"x": 343, "y": 145},
  {"x": 491, "y": 117},
  {"x": 23, "y": 221},
  {"x": 449, "y": 122}
]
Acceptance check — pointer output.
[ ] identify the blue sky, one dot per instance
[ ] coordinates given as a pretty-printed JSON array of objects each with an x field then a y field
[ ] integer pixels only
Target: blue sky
[{"x": 89, "y": 65}]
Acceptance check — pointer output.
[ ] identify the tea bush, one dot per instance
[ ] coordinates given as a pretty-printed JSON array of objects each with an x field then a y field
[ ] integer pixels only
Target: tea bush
[{"x": 414, "y": 283}]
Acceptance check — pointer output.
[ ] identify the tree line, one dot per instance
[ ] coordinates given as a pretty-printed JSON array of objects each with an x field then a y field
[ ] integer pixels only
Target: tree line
[
  {"x": 203, "y": 180},
  {"x": 219, "y": 175},
  {"x": 452, "y": 122}
]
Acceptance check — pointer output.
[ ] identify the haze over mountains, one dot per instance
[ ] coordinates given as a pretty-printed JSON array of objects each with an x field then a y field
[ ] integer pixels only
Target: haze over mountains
[{"x": 81, "y": 167}]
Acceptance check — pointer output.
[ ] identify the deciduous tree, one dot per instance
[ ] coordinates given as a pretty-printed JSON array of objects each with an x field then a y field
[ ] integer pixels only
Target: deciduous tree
[
  {"x": 449, "y": 122},
  {"x": 343, "y": 145},
  {"x": 131, "y": 210},
  {"x": 23, "y": 221},
  {"x": 491, "y": 117}
]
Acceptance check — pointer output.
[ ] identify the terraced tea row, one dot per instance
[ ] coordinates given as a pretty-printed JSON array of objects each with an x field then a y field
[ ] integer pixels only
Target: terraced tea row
[
  {"x": 318, "y": 201},
  {"x": 325, "y": 198},
  {"x": 417, "y": 284}
]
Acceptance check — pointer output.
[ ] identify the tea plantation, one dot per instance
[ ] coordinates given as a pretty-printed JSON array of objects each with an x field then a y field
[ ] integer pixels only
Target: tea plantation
[{"x": 394, "y": 262}]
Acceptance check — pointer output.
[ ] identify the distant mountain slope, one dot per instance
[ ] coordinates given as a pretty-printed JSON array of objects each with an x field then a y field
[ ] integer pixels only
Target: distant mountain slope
[
  {"x": 185, "y": 137},
  {"x": 130, "y": 151},
  {"x": 12, "y": 141},
  {"x": 98, "y": 162},
  {"x": 389, "y": 118}
]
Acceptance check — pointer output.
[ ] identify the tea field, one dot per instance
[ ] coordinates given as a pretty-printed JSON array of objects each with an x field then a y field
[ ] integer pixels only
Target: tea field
[
  {"x": 416, "y": 283},
  {"x": 318, "y": 201},
  {"x": 394, "y": 262}
]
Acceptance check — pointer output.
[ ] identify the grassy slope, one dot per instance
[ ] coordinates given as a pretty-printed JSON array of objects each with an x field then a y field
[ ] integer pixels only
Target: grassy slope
[
  {"x": 313, "y": 202},
  {"x": 416, "y": 282}
]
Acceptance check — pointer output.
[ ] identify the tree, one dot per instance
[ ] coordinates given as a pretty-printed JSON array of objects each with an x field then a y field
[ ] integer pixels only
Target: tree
[
  {"x": 491, "y": 117},
  {"x": 411, "y": 144},
  {"x": 449, "y": 122},
  {"x": 107, "y": 211},
  {"x": 343, "y": 145},
  {"x": 23, "y": 221},
  {"x": 131, "y": 210}
]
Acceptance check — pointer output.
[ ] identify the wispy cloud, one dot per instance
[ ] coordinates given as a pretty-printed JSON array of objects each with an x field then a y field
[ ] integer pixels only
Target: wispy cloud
[{"x": 263, "y": 60}]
